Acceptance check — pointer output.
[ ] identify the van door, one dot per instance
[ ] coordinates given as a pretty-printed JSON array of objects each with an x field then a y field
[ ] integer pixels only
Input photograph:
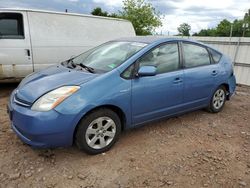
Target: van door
[{"x": 15, "y": 47}]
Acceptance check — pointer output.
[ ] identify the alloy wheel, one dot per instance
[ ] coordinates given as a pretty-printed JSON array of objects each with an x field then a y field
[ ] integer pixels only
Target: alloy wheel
[
  {"x": 219, "y": 99},
  {"x": 100, "y": 132}
]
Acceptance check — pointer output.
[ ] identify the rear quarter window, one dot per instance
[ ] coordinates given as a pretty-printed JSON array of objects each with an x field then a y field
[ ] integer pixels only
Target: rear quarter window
[{"x": 216, "y": 56}]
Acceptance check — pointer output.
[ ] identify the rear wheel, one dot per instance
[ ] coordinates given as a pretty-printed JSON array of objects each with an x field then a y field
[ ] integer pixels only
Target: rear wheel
[
  {"x": 218, "y": 100},
  {"x": 98, "y": 131}
]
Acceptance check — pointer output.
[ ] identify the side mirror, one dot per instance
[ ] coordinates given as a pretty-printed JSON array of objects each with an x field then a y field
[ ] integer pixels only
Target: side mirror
[{"x": 147, "y": 71}]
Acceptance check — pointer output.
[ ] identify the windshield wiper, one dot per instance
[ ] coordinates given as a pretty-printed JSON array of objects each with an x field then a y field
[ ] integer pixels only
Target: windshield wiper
[
  {"x": 90, "y": 69},
  {"x": 70, "y": 63}
]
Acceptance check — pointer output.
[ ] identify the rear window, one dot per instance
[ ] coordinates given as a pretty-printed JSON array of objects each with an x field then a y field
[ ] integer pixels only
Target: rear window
[
  {"x": 195, "y": 55},
  {"x": 216, "y": 56},
  {"x": 11, "y": 26}
]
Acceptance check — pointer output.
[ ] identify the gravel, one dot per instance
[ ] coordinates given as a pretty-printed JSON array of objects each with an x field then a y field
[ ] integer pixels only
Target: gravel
[{"x": 198, "y": 149}]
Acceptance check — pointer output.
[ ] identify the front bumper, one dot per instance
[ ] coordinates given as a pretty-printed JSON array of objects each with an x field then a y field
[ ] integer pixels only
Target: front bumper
[{"x": 41, "y": 129}]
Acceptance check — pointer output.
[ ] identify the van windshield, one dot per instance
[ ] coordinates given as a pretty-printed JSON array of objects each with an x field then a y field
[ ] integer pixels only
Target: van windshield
[{"x": 108, "y": 56}]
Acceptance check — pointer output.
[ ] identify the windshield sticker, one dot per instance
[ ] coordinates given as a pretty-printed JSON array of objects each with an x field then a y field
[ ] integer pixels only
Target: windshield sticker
[{"x": 112, "y": 65}]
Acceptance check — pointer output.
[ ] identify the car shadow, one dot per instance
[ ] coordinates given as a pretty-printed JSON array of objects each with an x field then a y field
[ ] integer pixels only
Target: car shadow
[
  {"x": 7, "y": 88},
  {"x": 60, "y": 154}
]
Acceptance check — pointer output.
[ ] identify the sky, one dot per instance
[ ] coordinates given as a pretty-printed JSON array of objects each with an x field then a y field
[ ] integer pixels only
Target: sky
[{"x": 200, "y": 14}]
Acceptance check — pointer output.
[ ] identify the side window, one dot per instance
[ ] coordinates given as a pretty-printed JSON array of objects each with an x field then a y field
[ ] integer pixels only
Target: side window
[
  {"x": 11, "y": 26},
  {"x": 128, "y": 72},
  {"x": 165, "y": 58},
  {"x": 215, "y": 55},
  {"x": 195, "y": 55}
]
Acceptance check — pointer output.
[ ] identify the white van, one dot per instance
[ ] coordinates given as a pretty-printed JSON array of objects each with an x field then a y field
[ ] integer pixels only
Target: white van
[{"x": 31, "y": 40}]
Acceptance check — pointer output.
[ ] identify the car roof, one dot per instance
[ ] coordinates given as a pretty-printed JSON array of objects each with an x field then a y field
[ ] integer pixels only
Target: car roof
[
  {"x": 162, "y": 39},
  {"x": 152, "y": 39}
]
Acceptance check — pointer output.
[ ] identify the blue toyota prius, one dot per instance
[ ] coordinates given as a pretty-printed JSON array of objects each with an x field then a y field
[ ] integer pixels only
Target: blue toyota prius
[{"x": 91, "y": 98}]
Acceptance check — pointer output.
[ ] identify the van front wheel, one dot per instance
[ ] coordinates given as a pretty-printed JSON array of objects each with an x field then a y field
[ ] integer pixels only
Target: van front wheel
[{"x": 98, "y": 131}]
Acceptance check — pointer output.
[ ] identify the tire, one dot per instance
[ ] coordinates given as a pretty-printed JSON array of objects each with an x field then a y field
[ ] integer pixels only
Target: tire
[
  {"x": 218, "y": 100},
  {"x": 98, "y": 131}
]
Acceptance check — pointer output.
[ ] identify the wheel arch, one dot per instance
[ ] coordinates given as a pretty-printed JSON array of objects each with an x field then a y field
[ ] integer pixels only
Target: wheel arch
[
  {"x": 114, "y": 108},
  {"x": 226, "y": 86}
]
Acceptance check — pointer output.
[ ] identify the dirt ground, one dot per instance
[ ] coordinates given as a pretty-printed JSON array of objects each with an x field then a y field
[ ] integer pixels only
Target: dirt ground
[{"x": 198, "y": 149}]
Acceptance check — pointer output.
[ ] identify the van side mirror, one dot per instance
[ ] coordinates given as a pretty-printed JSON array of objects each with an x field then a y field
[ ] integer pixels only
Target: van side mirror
[{"x": 147, "y": 71}]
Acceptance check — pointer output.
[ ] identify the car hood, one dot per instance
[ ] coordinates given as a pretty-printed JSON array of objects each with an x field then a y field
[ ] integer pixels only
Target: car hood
[{"x": 39, "y": 83}]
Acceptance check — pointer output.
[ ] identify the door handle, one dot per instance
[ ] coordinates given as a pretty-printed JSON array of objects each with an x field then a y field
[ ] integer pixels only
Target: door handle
[
  {"x": 177, "y": 80},
  {"x": 214, "y": 73},
  {"x": 28, "y": 52}
]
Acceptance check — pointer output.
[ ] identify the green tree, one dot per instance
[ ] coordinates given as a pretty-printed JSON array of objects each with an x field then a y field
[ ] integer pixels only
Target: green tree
[
  {"x": 247, "y": 21},
  {"x": 114, "y": 15},
  {"x": 98, "y": 12},
  {"x": 237, "y": 28},
  {"x": 223, "y": 29},
  {"x": 142, "y": 15},
  {"x": 184, "y": 29},
  {"x": 208, "y": 32},
  {"x": 247, "y": 16}
]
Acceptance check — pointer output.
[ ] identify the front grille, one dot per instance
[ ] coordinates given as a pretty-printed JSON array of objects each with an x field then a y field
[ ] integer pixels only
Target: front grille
[{"x": 21, "y": 102}]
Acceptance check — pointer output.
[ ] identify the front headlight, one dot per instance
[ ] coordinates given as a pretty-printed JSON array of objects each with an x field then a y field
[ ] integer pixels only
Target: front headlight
[{"x": 53, "y": 98}]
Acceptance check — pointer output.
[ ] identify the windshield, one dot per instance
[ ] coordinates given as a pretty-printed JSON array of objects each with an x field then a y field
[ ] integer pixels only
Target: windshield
[{"x": 108, "y": 56}]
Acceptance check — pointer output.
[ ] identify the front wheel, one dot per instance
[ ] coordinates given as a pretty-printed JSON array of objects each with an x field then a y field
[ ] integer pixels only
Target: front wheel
[
  {"x": 218, "y": 100},
  {"x": 98, "y": 131}
]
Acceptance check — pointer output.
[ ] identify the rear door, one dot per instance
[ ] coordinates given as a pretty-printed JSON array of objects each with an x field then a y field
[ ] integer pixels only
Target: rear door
[
  {"x": 15, "y": 47},
  {"x": 199, "y": 75}
]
